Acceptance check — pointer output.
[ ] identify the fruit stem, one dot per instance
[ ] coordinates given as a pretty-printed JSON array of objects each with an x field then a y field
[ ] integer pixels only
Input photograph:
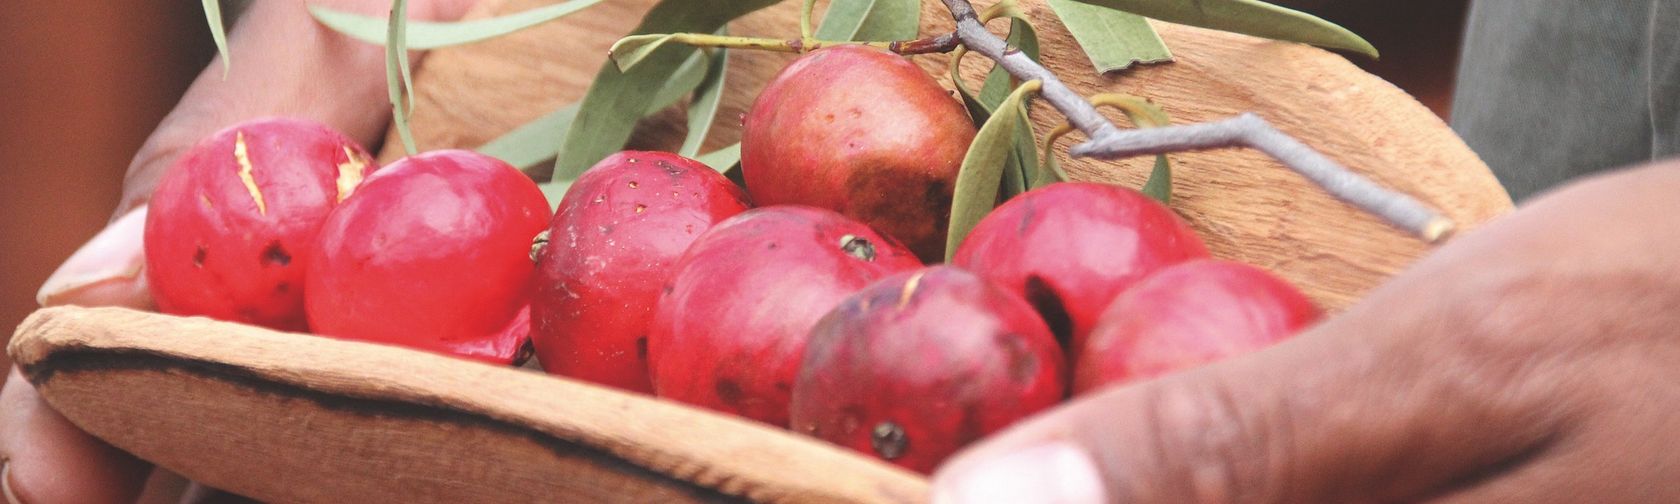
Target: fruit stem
[{"x": 1246, "y": 130}]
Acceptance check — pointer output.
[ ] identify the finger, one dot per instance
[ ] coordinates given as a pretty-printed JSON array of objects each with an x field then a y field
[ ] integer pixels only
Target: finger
[
  {"x": 49, "y": 460},
  {"x": 107, "y": 271},
  {"x": 1456, "y": 378},
  {"x": 283, "y": 63}
]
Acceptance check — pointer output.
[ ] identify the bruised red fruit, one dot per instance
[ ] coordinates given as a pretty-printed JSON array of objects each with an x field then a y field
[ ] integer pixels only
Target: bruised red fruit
[
  {"x": 1188, "y": 315},
  {"x": 731, "y": 324},
  {"x": 231, "y": 219},
  {"x": 433, "y": 253},
  {"x": 916, "y": 366},
  {"x": 1071, "y": 248},
  {"x": 611, "y": 246},
  {"x": 863, "y": 132}
]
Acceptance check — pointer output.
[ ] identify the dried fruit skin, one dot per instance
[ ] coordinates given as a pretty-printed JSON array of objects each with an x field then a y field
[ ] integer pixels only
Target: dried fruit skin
[
  {"x": 1188, "y": 315},
  {"x": 1071, "y": 248},
  {"x": 862, "y": 132},
  {"x": 731, "y": 325},
  {"x": 432, "y": 253},
  {"x": 920, "y": 364},
  {"x": 612, "y": 246},
  {"x": 230, "y": 222}
]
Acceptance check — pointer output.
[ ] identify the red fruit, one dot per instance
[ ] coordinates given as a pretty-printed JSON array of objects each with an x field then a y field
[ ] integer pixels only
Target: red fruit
[
  {"x": 1188, "y": 315},
  {"x": 612, "y": 245},
  {"x": 920, "y": 364},
  {"x": 732, "y": 323},
  {"x": 432, "y": 253},
  {"x": 230, "y": 220},
  {"x": 1071, "y": 248},
  {"x": 863, "y": 132}
]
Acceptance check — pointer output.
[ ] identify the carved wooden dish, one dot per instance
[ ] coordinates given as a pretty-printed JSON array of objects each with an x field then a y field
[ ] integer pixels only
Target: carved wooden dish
[{"x": 295, "y": 418}]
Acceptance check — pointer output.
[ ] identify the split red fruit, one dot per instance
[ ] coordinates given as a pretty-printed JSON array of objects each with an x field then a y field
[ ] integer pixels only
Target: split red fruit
[
  {"x": 731, "y": 325},
  {"x": 433, "y": 253},
  {"x": 611, "y": 246},
  {"x": 863, "y": 132},
  {"x": 1188, "y": 315},
  {"x": 1071, "y": 248},
  {"x": 231, "y": 219},
  {"x": 920, "y": 364}
]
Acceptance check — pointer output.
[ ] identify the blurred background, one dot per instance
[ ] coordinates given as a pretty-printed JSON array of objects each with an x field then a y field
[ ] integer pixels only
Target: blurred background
[{"x": 83, "y": 83}]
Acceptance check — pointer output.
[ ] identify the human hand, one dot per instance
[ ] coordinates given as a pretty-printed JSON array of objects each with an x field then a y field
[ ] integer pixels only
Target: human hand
[
  {"x": 284, "y": 64},
  {"x": 1534, "y": 360}
]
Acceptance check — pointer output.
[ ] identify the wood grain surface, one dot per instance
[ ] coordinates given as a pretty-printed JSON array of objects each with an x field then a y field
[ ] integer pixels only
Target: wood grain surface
[
  {"x": 1245, "y": 205},
  {"x": 297, "y": 418},
  {"x": 293, "y": 418}
]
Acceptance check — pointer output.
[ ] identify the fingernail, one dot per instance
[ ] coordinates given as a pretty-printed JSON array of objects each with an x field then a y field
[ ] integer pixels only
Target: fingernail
[
  {"x": 112, "y": 260},
  {"x": 1058, "y": 473},
  {"x": 6, "y": 483}
]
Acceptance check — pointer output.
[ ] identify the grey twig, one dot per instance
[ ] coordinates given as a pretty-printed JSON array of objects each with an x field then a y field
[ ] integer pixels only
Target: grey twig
[{"x": 1246, "y": 130}]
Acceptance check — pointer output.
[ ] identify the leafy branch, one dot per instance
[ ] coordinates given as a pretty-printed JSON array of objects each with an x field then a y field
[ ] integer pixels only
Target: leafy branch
[{"x": 1245, "y": 130}]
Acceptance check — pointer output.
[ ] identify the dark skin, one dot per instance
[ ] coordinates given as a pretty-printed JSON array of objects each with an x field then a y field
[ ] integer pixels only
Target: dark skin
[
  {"x": 1530, "y": 360},
  {"x": 1533, "y": 360}
]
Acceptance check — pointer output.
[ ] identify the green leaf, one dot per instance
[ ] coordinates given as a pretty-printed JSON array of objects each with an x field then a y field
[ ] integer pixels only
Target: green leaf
[
  {"x": 534, "y": 143},
  {"x": 1159, "y": 185},
  {"x": 427, "y": 35},
  {"x": 628, "y": 51},
  {"x": 983, "y": 167},
  {"x": 724, "y": 159},
  {"x": 1112, "y": 39},
  {"x": 708, "y": 97},
  {"x": 397, "y": 79},
  {"x": 555, "y": 191},
  {"x": 871, "y": 20},
  {"x": 1025, "y": 154},
  {"x": 218, "y": 32},
  {"x": 1250, "y": 17},
  {"x": 615, "y": 100}
]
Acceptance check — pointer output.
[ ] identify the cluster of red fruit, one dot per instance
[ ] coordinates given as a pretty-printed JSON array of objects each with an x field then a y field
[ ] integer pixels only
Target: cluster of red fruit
[{"x": 812, "y": 311}]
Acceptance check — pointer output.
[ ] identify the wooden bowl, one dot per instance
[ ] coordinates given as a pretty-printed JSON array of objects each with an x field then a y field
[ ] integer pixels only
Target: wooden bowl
[{"x": 296, "y": 418}]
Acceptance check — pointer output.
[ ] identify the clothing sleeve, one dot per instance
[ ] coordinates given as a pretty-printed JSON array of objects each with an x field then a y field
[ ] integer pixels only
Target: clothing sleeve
[{"x": 1549, "y": 90}]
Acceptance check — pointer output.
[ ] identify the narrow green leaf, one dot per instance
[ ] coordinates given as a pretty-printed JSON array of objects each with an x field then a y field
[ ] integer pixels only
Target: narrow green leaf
[
  {"x": 628, "y": 51},
  {"x": 722, "y": 160},
  {"x": 1159, "y": 185},
  {"x": 555, "y": 191},
  {"x": 1112, "y": 39},
  {"x": 534, "y": 143},
  {"x": 1250, "y": 17},
  {"x": 396, "y": 73},
  {"x": 871, "y": 20},
  {"x": 615, "y": 99},
  {"x": 218, "y": 32},
  {"x": 428, "y": 35},
  {"x": 1024, "y": 155},
  {"x": 1023, "y": 36},
  {"x": 708, "y": 97},
  {"x": 983, "y": 167}
]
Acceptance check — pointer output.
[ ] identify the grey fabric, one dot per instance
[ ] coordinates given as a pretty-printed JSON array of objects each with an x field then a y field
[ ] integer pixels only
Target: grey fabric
[{"x": 1552, "y": 89}]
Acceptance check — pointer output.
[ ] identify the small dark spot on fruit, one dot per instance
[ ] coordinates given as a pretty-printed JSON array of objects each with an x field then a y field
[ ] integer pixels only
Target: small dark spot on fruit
[
  {"x": 641, "y": 347},
  {"x": 857, "y": 246},
  {"x": 855, "y": 113},
  {"x": 198, "y": 256},
  {"x": 276, "y": 254},
  {"x": 1022, "y": 365},
  {"x": 526, "y": 350},
  {"x": 282, "y": 288},
  {"x": 888, "y": 440},
  {"x": 829, "y": 117},
  {"x": 668, "y": 167},
  {"x": 1049, "y": 305},
  {"x": 771, "y": 245},
  {"x": 634, "y": 185},
  {"x": 728, "y": 391},
  {"x": 641, "y": 208}
]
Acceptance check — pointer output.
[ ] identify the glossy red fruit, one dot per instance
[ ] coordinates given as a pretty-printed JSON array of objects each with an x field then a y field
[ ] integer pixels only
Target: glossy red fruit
[
  {"x": 432, "y": 253},
  {"x": 920, "y": 364},
  {"x": 1188, "y": 315},
  {"x": 611, "y": 246},
  {"x": 1071, "y": 248},
  {"x": 732, "y": 323},
  {"x": 231, "y": 219},
  {"x": 863, "y": 132}
]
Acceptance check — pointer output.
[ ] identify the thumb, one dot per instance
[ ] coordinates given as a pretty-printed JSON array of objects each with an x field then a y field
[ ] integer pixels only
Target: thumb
[
  {"x": 1364, "y": 408},
  {"x": 109, "y": 270}
]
